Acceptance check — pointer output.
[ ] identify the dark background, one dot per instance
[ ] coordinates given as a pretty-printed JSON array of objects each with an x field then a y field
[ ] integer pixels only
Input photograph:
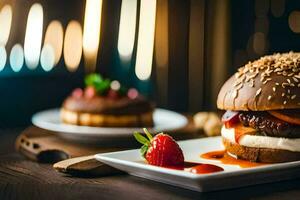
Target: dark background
[{"x": 207, "y": 41}]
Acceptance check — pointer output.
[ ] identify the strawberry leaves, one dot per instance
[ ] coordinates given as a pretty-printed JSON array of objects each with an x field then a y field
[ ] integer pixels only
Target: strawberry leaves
[
  {"x": 102, "y": 85},
  {"x": 95, "y": 80},
  {"x": 143, "y": 140},
  {"x": 144, "y": 150},
  {"x": 148, "y": 134}
]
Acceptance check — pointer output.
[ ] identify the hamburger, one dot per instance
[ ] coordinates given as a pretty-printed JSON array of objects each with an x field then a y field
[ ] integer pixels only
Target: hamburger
[{"x": 262, "y": 103}]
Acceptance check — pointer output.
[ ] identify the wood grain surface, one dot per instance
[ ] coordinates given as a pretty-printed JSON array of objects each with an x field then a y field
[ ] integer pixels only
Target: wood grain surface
[{"x": 21, "y": 178}]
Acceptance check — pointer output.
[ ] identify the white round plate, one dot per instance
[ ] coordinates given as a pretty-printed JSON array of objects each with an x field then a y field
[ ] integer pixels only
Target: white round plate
[{"x": 164, "y": 120}]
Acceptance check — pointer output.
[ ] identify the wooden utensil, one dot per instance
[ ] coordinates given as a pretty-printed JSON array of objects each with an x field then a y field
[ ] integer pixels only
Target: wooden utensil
[
  {"x": 43, "y": 146},
  {"x": 84, "y": 166}
]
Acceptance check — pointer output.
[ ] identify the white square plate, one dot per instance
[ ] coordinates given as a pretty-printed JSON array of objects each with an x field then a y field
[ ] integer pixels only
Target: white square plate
[{"x": 232, "y": 177}]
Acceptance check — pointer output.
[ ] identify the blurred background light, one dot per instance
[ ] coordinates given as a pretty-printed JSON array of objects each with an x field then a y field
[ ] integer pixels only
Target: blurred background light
[
  {"x": 73, "y": 45},
  {"x": 250, "y": 49},
  {"x": 5, "y": 24},
  {"x": 127, "y": 29},
  {"x": 91, "y": 33},
  {"x": 259, "y": 43},
  {"x": 16, "y": 58},
  {"x": 54, "y": 37},
  {"x": 145, "y": 44},
  {"x": 3, "y": 57},
  {"x": 261, "y": 7},
  {"x": 277, "y": 7},
  {"x": 262, "y": 25},
  {"x": 47, "y": 57},
  {"x": 33, "y": 36},
  {"x": 294, "y": 21}
]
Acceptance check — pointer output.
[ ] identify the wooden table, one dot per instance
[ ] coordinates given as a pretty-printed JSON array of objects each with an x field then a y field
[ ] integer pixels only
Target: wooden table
[{"x": 24, "y": 179}]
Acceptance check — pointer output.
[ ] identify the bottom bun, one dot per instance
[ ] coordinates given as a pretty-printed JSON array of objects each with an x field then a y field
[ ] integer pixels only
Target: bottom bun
[{"x": 263, "y": 155}]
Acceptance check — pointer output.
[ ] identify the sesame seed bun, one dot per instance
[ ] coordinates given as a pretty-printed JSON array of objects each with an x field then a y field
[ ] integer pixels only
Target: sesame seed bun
[{"x": 269, "y": 83}]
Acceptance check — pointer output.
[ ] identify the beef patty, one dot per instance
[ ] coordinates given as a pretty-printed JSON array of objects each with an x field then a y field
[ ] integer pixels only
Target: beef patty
[{"x": 268, "y": 125}]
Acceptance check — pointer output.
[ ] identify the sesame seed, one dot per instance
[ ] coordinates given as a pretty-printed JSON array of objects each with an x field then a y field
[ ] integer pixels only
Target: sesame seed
[
  {"x": 293, "y": 97},
  {"x": 269, "y": 97},
  {"x": 252, "y": 83},
  {"x": 258, "y": 92},
  {"x": 274, "y": 89},
  {"x": 284, "y": 84},
  {"x": 284, "y": 102},
  {"x": 234, "y": 94},
  {"x": 297, "y": 76},
  {"x": 239, "y": 86},
  {"x": 295, "y": 79},
  {"x": 237, "y": 75},
  {"x": 283, "y": 94},
  {"x": 237, "y": 83}
]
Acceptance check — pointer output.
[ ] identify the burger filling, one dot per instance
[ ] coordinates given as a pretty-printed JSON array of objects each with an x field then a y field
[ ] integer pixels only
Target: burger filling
[{"x": 263, "y": 129}]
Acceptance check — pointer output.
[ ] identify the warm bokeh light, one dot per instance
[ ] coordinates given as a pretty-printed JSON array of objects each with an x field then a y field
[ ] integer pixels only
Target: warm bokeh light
[
  {"x": 3, "y": 57},
  {"x": 261, "y": 7},
  {"x": 294, "y": 21},
  {"x": 33, "y": 36},
  {"x": 262, "y": 25},
  {"x": 16, "y": 58},
  {"x": 91, "y": 33},
  {"x": 161, "y": 37},
  {"x": 47, "y": 57},
  {"x": 277, "y": 7},
  {"x": 54, "y": 37},
  {"x": 259, "y": 43},
  {"x": 73, "y": 45},
  {"x": 145, "y": 45},
  {"x": 127, "y": 29},
  {"x": 5, "y": 23}
]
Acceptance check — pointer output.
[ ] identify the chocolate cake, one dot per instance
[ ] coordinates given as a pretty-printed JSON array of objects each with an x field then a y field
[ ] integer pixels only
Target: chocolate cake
[{"x": 108, "y": 104}]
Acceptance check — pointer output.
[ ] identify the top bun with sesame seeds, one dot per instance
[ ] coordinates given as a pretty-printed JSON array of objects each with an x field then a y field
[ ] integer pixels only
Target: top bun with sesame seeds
[{"x": 269, "y": 83}]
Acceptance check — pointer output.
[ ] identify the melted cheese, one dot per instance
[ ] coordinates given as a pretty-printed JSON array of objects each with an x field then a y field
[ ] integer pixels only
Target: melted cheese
[{"x": 256, "y": 141}]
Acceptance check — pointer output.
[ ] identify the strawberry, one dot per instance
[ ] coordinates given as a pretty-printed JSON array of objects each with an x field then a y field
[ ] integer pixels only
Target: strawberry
[
  {"x": 90, "y": 92},
  {"x": 161, "y": 150},
  {"x": 77, "y": 93}
]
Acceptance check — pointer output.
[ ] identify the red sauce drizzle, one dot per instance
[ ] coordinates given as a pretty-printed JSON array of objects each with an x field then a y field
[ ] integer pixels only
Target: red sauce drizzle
[
  {"x": 198, "y": 168},
  {"x": 224, "y": 158},
  {"x": 205, "y": 169},
  {"x": 240, "y": 130}
]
